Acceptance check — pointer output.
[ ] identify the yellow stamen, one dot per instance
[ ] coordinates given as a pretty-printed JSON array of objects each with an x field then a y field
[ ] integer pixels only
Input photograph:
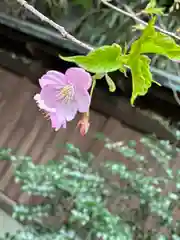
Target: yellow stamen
[{"x": 66, "y": 93}]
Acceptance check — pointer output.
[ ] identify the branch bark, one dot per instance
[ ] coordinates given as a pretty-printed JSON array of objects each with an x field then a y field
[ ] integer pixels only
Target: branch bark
[
  {"x": 133, "y": 16},
  {"x": 56, "y": 26},
  {"x": 70, "y": 37}
]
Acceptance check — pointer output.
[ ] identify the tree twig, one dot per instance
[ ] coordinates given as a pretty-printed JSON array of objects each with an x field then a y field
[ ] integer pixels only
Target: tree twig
[
  {"x": 59, "y": 28},
  {"x": 133, "y": 16}
]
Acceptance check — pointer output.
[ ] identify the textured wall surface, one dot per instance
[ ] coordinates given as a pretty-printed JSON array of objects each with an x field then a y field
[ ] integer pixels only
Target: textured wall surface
[{"x": 7, "y": 224}]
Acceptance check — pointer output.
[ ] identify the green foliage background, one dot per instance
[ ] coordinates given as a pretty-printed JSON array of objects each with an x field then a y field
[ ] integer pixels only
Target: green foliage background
[{"x": 120, "y": 199}]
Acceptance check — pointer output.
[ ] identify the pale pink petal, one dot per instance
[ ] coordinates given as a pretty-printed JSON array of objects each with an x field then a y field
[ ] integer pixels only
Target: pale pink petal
[
  {"x": 70, "y": 111},
  {"x": 52, "y": 77},
  {"x": 53, "y": 120},
  {"x": 37, "y": 97},
  {"x": 63, "y": 124},
  {"x": 56, "y": 122},
  {"x": 48, "y": 96},
  {"x": 83, "y": 101},
  {"x": 79, "y": 78},
  {"x": 67, "y": 111},
  {"x": 41, "y": 104}
]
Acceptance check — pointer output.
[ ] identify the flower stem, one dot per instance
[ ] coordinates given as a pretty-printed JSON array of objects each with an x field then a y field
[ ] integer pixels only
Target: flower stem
[{"x": 93, "y": 85}]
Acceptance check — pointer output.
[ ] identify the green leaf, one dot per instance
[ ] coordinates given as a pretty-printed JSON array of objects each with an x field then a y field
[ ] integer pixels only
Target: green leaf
[
  {"x": 140, "y": 64},
  {"x": 152, "y": 9},
  {"x": 163, "y": 45},
  {"x": 151, "y": 4},
  {"x": 111, "y": 84},
  {"x": 157, "y": 11},
  {"x": 146, "y": 34},
  {"x": 98, "y": 76},
  {"x": 141, "y": 76},
  {"x": 155, "y": 42},
  {"x": 162, "y": 237},
  {"x": 101, "y": 60},
  {"x": 175, "y": 237}
]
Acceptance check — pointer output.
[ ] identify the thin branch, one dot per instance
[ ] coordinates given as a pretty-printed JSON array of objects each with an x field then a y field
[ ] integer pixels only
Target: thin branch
[
  {"x": 59, "y": 28},
  {"x": 133, "y": 16},
  {"x": 175, "y": 94},
  {"x": 123, "y": 12}
]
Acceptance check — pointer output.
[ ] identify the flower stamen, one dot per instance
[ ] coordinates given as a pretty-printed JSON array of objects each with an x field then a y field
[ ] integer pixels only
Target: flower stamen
[
  {"x": 45, "y": 114},
  {"x": 66, "y": 93}
]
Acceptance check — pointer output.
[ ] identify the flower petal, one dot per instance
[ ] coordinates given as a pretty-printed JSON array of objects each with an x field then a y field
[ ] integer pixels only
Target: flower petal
[
  {"x": 41, "y": 105},
  {"x": 52, "y": 77},
  {"x": 83, "y": 100},
  {"x": 37, "y": 98},
  {"x": 48, "y": 96},
  {"x": 67, "y": 111},
  {"x": 79, "y": 78},
  {"x": 53, "y": 120},
  {"x": 56, "y": 122}
]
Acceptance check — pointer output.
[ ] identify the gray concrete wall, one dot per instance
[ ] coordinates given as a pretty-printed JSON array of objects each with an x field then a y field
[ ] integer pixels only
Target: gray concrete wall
[{"x": 8, "y": 224}]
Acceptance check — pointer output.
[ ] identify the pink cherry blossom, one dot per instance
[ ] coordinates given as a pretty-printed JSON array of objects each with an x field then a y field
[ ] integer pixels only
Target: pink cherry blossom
[
  {"x": 50, "y": 113},
  {"x": 66, "y": 93}
]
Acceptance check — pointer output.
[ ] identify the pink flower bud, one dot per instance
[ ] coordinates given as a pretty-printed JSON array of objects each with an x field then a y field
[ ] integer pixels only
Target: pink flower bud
[{"x": 84, "y": 124}]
